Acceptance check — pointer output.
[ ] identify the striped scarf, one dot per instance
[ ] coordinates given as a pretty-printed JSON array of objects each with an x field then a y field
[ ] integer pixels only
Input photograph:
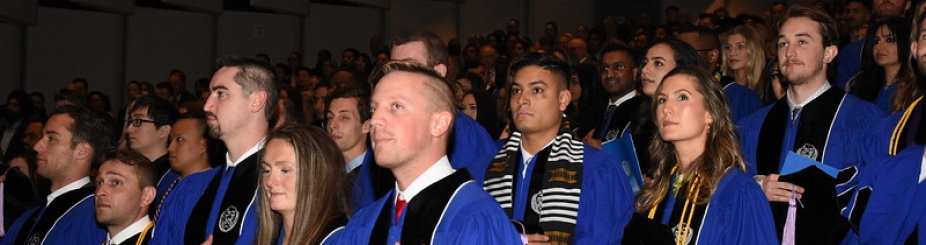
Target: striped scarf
[{"x": 556, "y": 199}]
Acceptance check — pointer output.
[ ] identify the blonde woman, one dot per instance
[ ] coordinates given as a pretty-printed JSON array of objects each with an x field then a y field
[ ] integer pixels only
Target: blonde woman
[{"x": 744, "y": 58}]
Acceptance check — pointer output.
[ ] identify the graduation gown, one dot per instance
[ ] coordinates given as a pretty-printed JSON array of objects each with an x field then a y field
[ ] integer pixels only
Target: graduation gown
[
  {"x": 370, "y": 182},
  {"x": 850, "y": 117},
  {"x": 742, "y": 100},
  {"x": 230, "y": 203},
  {"x": 471, "y": 147},
  {"x": 69, "y": 219},
  {"x": 454, "y": 210},
  {"x": 887, "y": 208},
  {"x": 633, "y": 115},
  {"x": 178, "y": 206},
  {"x": 883, "y": 101}
]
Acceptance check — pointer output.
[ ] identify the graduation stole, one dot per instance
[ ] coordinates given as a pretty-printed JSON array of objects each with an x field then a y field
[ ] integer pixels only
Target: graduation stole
[
  {"x": 685, "y": 215},
  {"x": 240, "y": 192},
  {"x": 910, "y": 130},
  {"x": 36, "y": 228},
  {"x": 555, "y": 184},
  {"x": 422, "y": 214},
  {"x": 810, "y": 140}
]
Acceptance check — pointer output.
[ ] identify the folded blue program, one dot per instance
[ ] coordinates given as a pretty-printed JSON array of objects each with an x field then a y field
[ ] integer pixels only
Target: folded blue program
[{"x": 796, "y": 162}]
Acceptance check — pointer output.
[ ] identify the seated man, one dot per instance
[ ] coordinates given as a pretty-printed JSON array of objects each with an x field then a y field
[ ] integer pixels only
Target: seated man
[
  {"x": 413, "y": 113},
  {"x": 124, "y": 190}
]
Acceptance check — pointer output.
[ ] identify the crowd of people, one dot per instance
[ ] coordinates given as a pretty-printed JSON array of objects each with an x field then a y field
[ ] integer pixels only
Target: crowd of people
[{"x": 799, "y": 127}]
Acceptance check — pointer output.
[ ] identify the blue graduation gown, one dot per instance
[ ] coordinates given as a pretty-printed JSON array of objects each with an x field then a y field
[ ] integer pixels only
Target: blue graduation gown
[
  {"x": 742, "y": 100},
  {"x": 738, "y": 213},
  {"x": 883, "y": 101},
  {"x": 472, "y": 147},
  {"x": 605, "y": 204},
  {"x": 472, "y": 217},
  {"x": 76, "y": 226},
  {"x": 371, "y": 182},
  {"x": 888, "y": 205},
  {"x": 178, "y": 205},
  {"x": 842, "y": 148}
]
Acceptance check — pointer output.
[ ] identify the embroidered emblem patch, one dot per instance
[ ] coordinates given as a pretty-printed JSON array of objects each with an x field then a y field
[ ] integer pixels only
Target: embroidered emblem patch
[
  {"x": 537, "y": 202},
  {"x": 809, "y": 151},
  {"x": 228, "y": 219},
  {"x": 613, "y": 134}
]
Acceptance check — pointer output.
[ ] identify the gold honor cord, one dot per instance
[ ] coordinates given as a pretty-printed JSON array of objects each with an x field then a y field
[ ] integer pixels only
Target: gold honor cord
[
  {"x": 687, "y": 211},
  {"x": 898, "y": 130},
  {"x": 143, "y": 233}
]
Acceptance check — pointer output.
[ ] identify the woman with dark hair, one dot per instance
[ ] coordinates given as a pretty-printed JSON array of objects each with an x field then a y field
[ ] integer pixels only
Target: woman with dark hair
[
  {"x": 700, "y": 193},
  {"x": 304, "y": 194},
  {"x": 585, "y": 86},
  {"x": 883, "y": 63},
  {"x": 288, "y": 109},
  {"x": 478, "y": 105},
  {"x": 99, "y": 103},
  {"x": 363, "y": 64}
]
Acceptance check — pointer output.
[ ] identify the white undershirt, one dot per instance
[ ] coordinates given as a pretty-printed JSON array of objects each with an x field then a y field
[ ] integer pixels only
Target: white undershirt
[
  {"x": 434, "y": 173},
  {"x": 67, "y": 188},
  {"x": 254, "y": 149},
  {"x": 129, "y": 231}
]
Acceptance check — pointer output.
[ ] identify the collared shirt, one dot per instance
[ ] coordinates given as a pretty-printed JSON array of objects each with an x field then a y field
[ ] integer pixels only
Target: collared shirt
[
  {"x": 254, "y": 149},
  {"x": 922, "y": 170},
  {"x": 67, "y": 188},
  {"x": 826, "y": 86},
  {"x": 129, "y": 231},
  {"x": 526, "y": 157},
  {"x": 434, "y": 173},
  {"x": 354, "y": 163},
  {"x": 624, "y": 98}
]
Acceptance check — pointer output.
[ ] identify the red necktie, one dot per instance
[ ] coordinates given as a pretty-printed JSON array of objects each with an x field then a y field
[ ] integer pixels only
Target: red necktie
[{"x": 399, "y": 206}]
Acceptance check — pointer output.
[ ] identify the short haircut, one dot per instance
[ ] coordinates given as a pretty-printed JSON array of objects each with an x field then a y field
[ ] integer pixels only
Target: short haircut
[
  {"x": 827, "y": 23},
  {"x": 161, "y": 111},
  {"x": 141, "y": 166},
  {"x": 179, "y": 73},
  {"x": 88, "y": 127},
  {"x": 353, "y": 51},
  {"x": 619, "y": 47},
  {"x": 545, "y": 61},
  {"x": 352, "y": 92},
  {"x": 438, "y": 88},
  {"x": 82, "y": 81},
  {"x": 254, "y": 75},
  {"x": 436, "y": 49}
]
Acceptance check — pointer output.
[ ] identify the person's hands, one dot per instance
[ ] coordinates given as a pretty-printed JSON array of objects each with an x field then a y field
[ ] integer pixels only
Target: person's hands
[
  {"x": 208, "y": 241},
  {"x": 537, "y": 239},
  {"x": 777, "y": 191},
  {"x": 590, "y": 140}
]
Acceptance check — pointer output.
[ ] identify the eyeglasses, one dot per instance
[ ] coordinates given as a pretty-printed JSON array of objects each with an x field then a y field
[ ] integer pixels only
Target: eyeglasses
[
  {"x": 136, "y": 122},
  {"x": 612, "y": 67}
]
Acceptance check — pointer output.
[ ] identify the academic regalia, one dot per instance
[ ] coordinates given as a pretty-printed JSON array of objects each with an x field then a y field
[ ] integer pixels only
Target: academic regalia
[
  {"x": 738, "y": 213},
  {"x": 883, "y": 101},
  {"x": 633, "y": 115},
  {"x": 827, "y": 130},
  {"x": 178, "y": 205},
  {"x": 742, "y": 100},
  {"x": 19, "y": 194},
  {"x": 577, "y": 171},
  {"x": 370, "y": 182},
  {"x": 230, "y": 201},
  {"x": 454, "y": 210},
  {"x": 161, "y": 165},
  {"x": 471, "y": 146},
  {"x": 331, "y": 226},
  {"x": 69, "y": 219},
  {"x": 139, "y": 233},
  {"x": 887, "y": 208}
]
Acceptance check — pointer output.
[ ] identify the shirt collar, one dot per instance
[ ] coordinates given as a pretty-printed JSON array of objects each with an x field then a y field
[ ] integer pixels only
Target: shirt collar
[
  {"x": 826, "y": 86},
  {"x": 434, "y": 173},
  {"x": 354, "y": 163},
  {"x": 624, "y": 98},
  {"x": 254, "y": 149},
  {"x": 67, "y": 188},
  {"x": 129, "y": 231},
  {"x": 526, "y": 157}
]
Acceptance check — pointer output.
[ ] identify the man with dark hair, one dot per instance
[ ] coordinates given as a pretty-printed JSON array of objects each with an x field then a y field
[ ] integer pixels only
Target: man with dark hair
[
  {"x": 124, "y": 190},
  {"x": 471, "y": 145},
  {"x": 13, "y": 122},
  {"x": 79, "y": 86},
  {"x": 73, "y": 136},
  {"x": 178, "y": 191},
  {"x": 244, "y": 93},
  {"x": 814, "y": 121},
  {"x": 560, "y": 190},
  {"x": 177, "y": 80},
  {"x": 348, "y": 57},
  {"x": 148, "y": 129},
  {"x": 432, "y": 202},
  {"x": 348, "y": 111},
  {"x": 627, "y": 110}
]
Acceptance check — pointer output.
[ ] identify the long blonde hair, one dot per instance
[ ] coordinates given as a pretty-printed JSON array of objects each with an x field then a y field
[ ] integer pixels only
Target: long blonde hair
[
  {"x": 756, "y": 62},
  {"x": 322, "y": 187},
  {"x": 721, "y": 151}
]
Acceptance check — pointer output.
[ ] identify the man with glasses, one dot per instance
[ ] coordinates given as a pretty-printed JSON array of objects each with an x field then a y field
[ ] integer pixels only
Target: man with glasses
[
  {"x": 147, "y": 130},
  {"x": 626, "y": 110}
]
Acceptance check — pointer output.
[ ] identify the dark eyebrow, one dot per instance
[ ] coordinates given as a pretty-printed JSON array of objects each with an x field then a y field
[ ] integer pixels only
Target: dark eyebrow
[
  {"x": 538, "y": 82},
  {"x": 219, "y": 87}
]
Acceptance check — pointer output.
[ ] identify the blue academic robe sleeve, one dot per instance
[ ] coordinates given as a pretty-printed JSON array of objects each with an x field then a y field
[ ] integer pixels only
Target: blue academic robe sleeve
[
  {"x": 742, "y": 101},
  {"x": 171, "y": 225},
  {"x": 78, "y": 226},
  {"x": 473, "y": 148},
  {"x": 738, "y": 213},
  {"x": 16, "y": 227},
  {"x": 606, "y": 201}
]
